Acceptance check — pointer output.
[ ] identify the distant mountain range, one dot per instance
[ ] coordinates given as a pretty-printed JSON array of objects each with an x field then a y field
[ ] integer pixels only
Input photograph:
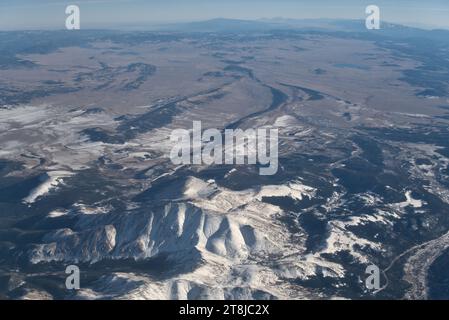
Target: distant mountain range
[{"x": 261, "y": 25}]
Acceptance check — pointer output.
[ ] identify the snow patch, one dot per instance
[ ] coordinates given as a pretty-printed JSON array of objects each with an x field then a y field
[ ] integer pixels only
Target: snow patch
[
  {"x": 51, "y": 180},
  {"x": 410, "y": 201}
]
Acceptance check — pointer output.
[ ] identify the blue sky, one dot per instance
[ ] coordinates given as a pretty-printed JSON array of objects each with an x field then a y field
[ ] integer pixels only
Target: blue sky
[{"x": 50, "y": 14}]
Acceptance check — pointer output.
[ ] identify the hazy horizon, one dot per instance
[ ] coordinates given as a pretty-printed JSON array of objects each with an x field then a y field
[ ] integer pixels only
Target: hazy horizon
[{"x": 116, "y": 14}]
